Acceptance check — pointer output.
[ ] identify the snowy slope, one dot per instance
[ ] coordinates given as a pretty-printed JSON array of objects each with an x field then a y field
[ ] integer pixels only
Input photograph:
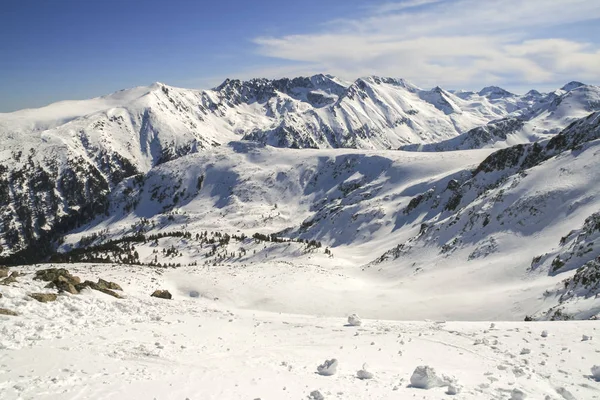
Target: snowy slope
[{"x": 91, "y": 346}]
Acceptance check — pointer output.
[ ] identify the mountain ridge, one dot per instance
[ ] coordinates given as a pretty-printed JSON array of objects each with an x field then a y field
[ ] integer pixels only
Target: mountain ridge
[{"x": 307, "y": 168}]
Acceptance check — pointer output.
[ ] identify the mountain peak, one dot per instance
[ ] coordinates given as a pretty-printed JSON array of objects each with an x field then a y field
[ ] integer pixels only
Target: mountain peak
[
  {"x": 572, "y": 85},
  {"x": 494, "y": 92}
]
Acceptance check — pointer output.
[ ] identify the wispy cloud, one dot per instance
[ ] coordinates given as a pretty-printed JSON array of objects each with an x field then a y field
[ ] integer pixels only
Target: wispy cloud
[
  {"x": 398, "y": 6},
  {"x": 456, "y": 43}
]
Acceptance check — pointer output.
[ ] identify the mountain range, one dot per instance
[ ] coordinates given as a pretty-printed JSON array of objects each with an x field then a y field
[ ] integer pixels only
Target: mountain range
[{"x": 427, "y": 193}]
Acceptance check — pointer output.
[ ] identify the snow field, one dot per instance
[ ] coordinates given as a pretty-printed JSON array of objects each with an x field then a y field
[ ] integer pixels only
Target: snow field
[{"x": 94, "y": 346}]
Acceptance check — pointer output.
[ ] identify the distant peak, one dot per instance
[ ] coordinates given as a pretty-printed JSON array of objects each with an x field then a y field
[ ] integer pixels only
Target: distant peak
[
  {"x": 572, "y": 85},
  {"x": 533, "y": 92},
  {"x": 494, "y": 92}
]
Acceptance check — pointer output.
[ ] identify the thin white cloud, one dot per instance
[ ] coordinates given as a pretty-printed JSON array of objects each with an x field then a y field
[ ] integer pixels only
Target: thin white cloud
[
  {"x": 457, "y": 43},
  {"x": 399, "y": 6}
]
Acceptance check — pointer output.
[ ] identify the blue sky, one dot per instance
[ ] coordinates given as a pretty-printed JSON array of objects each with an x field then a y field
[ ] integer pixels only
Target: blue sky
[{"x": 69, "y": 49}]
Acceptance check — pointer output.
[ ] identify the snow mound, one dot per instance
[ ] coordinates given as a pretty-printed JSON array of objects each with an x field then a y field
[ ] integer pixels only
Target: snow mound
[
  {"x": 425, "y": 377},
  {"x": 354, "y": 320},
  {"x": 328, "y": 368}
]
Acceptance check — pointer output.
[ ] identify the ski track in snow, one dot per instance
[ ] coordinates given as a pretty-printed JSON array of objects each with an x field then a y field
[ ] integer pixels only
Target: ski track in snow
[{"x": 92, "y": 346}]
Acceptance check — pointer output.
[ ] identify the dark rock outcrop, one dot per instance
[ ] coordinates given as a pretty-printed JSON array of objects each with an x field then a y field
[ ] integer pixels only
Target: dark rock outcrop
[
  {"x": 162, "y": 294},
  {"x": 44, "y": 297},
  {"x": 4, "y": 311}
]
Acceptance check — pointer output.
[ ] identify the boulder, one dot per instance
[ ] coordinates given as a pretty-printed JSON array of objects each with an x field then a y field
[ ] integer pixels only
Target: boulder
[
  {"x": 3, "y": 272},
  {"x": 4, "y": 311},
  {"x": 109, "y": 285},
  {"x": 12, "y": 278},
  {"x": 44, "y": 297},
  {"x": 93, "y": 285},
  {"x": 56, "y": 274},
  {"x": 65, "y": 287},
  {"x": 162, "y": 294}
]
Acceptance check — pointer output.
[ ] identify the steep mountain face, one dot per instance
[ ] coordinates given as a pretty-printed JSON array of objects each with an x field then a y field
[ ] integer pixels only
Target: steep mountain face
[{"x": 496, "y": 133}]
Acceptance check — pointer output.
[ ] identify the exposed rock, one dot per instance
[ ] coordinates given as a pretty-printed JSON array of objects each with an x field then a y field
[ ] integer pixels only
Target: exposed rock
[
  {"x": 12, "y": 278},
  {"x": 93, "y": 285},
  {"x": 162, "y": 294},
  {"x": 56, "y": 274},
  {"x": 4, "y": 311},
  {"x": 44, "y": 297},
  {"x": 3, "y": 272},
  {"x": 110, "y": 293},
  {"x": 64, "y": 287},
  {"x": 109, "y": 285},
  {"x": 1, "y": 295}
]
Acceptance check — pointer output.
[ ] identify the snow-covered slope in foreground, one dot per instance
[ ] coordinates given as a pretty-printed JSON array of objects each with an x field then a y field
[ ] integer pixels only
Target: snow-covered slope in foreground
[{"x": 93, "y": 346}]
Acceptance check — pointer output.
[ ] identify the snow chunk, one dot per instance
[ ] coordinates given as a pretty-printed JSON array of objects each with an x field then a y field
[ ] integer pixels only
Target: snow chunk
[
  {"x": 596, "y": 372},
  {"x": 565, "y": 393},
  {"x": 517, "y": 394},
  {"x": 525, "y": 351},
  {"x": 316, "y": 395},
  {"x": 328, "y": 368},
  {"x": 364, "y": 373},
  {"x": 354, "y": 320},
  {"x": 453, "y": 389},
  {"x": 544, "y": 333},
  {"x": 585, "y": 338},
  {"x": 424, "y": 377}
]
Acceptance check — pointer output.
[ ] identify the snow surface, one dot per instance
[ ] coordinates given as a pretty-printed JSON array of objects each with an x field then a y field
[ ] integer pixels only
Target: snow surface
[{"x": 92, "y": 346}]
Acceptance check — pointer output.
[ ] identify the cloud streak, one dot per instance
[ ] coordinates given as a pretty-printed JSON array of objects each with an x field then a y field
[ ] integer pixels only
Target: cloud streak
[{"x": 455, "y": 43}]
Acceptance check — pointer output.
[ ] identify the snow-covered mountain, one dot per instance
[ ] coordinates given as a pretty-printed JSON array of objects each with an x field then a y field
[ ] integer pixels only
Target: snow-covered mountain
[
  {"x": 305, "y": 171},
  {"x": 534, "y": 116}
]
